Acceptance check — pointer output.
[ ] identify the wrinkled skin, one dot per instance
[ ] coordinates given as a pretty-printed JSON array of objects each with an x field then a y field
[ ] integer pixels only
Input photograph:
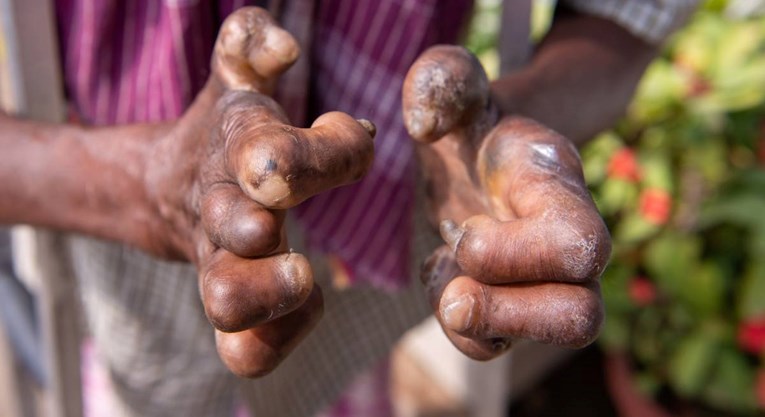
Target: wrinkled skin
[
  {"x": 525, "y": 245},
  {"x": 225, "y": 200}
]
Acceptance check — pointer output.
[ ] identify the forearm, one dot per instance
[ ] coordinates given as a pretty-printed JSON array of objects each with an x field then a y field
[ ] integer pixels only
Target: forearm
[
  {"x": 581, "y": 78},
  {"x": 84, "y": 180}
]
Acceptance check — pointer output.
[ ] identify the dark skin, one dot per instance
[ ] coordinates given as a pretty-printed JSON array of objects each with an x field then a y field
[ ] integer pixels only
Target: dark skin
[{"x": 525, "y": 244}]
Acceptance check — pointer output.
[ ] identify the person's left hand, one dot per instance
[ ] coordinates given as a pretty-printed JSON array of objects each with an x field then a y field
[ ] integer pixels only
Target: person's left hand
[{"x": 525, "y": 245}]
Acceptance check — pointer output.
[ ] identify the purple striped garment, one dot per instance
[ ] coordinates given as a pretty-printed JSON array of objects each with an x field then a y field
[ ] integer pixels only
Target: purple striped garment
[{"x": 131, "y": 61}]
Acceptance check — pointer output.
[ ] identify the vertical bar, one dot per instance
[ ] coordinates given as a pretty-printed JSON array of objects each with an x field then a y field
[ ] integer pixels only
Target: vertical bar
[{"x": 32, "y": 87}]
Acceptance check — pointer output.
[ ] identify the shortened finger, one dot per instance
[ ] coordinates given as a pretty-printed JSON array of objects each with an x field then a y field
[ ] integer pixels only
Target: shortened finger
[
  {"x": 257, "y": 351},
  {"x": 446, "y": 90},
  {"x": 252, "y": 51},
  {"x": 545, "y": 226},
  {"x": 438, "y": 271},
  {"x": 562, "y": 314},
  {"x": 240, "y": 293},
  {"x": 544, "y": 248},
  {"x": 239, "y": 225},
  {"x": 280, "y": 166}
]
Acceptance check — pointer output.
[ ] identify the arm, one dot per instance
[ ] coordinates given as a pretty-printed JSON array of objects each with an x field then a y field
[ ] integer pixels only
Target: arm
[
  {"x": 525, "y": 244},
  {"x": 72, "y": 178},
  {"x": 581, "y": 78},
  {"x": 210, "y": 188}
]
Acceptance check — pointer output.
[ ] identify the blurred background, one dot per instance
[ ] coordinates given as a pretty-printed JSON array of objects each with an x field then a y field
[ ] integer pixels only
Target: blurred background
[{"x": 681, "y": 184}]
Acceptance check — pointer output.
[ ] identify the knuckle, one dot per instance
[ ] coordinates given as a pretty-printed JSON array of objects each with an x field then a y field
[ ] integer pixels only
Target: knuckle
[
  {"x": 253, "y": 236},
  {"x": 223, "y": 305},
  {"x": 296, "y": 279},
  {"x": 579, "y": 322},
  {"x": 474, "y": 248},
  {"x": 584, "y": 253},
  {"x": 234, "y": 35},
  {"x": 244, "y": 358}
]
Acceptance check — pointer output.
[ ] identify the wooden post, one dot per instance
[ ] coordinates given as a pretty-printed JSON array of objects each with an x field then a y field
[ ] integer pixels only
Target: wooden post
[{"x": 30, "y": 85}]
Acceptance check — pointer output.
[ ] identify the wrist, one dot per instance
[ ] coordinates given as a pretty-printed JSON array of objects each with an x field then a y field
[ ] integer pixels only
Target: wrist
[
  {"x": 512, "y": 93},
  {"x": 167, "y": 180}
]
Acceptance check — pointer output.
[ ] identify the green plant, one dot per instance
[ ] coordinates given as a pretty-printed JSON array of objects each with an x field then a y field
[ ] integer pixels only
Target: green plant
[{"x": 681, "y": 183}]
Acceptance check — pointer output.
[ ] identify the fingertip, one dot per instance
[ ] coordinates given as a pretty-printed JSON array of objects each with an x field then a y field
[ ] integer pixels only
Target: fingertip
[
  {"x": 445, "y": 90},
  {"x": 460, "y": 305},
  {"x": 421, "y": 124},
  {"x": 458, "y": 313},
  {"x": 252, "y": 50},
  {"x": 296, "y": 278},
  {"x": 451, "y": 233},
  {"x": 239, "y": 225},
  {"x": 256, "y": 352},
  {"x": 368, "y": 126},
  {"x": 240, "y": 293},
  {"x": 278, "y": 51},
  {"x": 281, "y": 45}
]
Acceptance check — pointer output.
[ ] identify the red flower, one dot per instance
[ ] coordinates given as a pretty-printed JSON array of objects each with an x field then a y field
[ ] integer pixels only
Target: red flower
[
  {"x": 642, "y": 291},
  {"x": 759, "y": 388},
  {"x": 655, "y": 205},
  {"x": 698, "y": 87},
  {"x": 623, "y": 165},
  {"x": 751, "y": 335}
]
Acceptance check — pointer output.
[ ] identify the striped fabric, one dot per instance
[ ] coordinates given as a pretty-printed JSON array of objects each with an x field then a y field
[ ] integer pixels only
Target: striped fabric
[
  {"x": 651, "y": 21},
  {"x": 361, "y": 53},
  {"x": 143, "y": 61}
]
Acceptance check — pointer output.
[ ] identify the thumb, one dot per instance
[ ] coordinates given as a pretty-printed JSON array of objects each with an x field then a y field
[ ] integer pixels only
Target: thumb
[
  {"x": 252, "y": 51},
  {"x": 446, "y": 91}
]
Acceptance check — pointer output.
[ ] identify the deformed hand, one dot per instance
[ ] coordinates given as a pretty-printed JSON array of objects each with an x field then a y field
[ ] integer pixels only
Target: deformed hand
[
  {"x": 223, "y": 177},
  {"x": 525, "y": 245}
]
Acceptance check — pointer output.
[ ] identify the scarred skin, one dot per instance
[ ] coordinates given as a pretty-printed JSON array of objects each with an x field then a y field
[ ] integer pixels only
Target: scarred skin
[
  {"x": 524, "y": 243},
  {"x": 193, "y": 189}
]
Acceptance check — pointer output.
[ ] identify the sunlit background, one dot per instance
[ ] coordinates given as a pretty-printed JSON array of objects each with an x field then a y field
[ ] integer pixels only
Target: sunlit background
[{"x": 681, "y": 183}]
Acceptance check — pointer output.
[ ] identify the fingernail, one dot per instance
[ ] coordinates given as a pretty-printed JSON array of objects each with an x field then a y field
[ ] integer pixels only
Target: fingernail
[
  {"x": 369, "y": 126},
  {"x": 421, "y": 123},
  {"x": 451, "y": 233},
  {"x": 500, "y": 344},
  {"x": 458, "y": 313},
  {"x": 281, "y": 45}
]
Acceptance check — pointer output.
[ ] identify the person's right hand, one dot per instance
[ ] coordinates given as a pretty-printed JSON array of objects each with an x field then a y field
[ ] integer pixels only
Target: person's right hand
[{"x": 221, "y": 180}]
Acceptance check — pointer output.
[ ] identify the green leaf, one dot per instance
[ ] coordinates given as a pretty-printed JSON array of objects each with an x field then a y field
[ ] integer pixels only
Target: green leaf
[
  {"x": 647, "y": 383},
  {"x": 731, "y": 383},
  {"x": 596, "y": 155},
  {"x": 745, "y": 209},
  {"x": 615, "y": 285},
  {"x": 706, "y": 293},
  {"x": 751, "y": 294},
  {"x": 671, "y": 259},
  {"x": 660, "y": 92},
  {"x": 646, "y": 340},
  {"x": 634, "y": 228},
  {"x": 692, "y": 363},
  {"x": 710, "y": 159},
  {"x": 657, "y": 172},
  {"x": 616, "y": 195},
  {"x": 615, "y": 335}
]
